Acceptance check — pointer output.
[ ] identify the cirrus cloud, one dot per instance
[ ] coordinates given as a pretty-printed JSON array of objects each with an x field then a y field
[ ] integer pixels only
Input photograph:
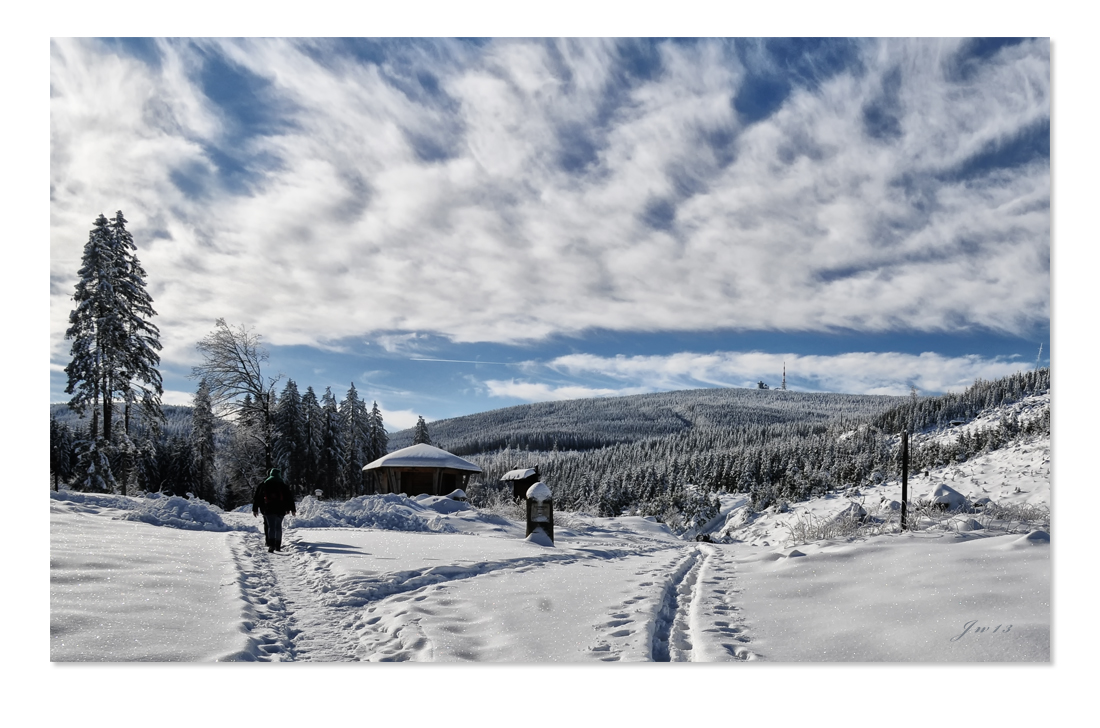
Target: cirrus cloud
[{"x": 512, "y": 190}]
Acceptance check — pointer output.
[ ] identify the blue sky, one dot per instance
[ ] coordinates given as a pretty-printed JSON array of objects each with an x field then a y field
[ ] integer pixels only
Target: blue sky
[{"x": 457, "y": 226}]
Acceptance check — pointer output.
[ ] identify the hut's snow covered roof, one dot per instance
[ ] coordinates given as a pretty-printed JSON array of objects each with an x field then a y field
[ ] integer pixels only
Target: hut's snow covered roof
[
  {"x": 422, "y": 456},
  {"x": 518, "y": 474}
]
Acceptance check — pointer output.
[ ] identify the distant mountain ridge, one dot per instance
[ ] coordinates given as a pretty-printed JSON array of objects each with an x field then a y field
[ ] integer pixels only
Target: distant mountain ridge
[{"x": 587, "y": 424}]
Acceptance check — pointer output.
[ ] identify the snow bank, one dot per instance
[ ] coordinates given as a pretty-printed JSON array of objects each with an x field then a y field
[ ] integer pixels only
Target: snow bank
[
  {"x": 100, "y": 500},
  {"x": 443, "y": 504},
  {"x": 157, "y": 510},
  {"x": 389, "y": 512},
  {"x": 176, "y": 512}
]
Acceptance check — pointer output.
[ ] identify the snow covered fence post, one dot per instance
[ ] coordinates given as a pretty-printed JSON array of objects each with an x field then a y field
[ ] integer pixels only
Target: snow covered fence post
[
  {"x": 540, "y": 511},
  {"x": 904, "y": 476}
]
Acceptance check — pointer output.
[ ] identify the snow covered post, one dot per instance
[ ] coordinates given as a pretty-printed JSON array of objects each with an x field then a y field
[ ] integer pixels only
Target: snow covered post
[
  {"x": 540, "y": 511},
  {"x": 904, "y": 476}
]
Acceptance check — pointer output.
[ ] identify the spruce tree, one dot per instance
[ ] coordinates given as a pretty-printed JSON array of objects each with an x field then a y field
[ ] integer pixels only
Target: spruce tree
[
  {"x": 420, "y": 433},
  {"x": 332, "y": 446},
  {"x": 378, "y": 442},
  {"x": 93, "y": 468},
  {"x": 202, "y": 442},
  {"x": 290, "y": 435},
  {"x": 355, "y": 426},
  {"x": 62, "y": 452},
  {"x": 114, "y": 344},
  {"x": 313, "y": 438},
  {"x": 138, "y": 376},
  {"x": 95, "y": 328}
]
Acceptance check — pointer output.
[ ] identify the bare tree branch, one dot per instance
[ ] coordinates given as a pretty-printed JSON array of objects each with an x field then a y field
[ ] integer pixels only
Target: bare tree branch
[{"x": 234, "y": 374}]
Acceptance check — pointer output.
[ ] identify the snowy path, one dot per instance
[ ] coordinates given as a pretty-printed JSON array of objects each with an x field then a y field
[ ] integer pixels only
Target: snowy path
[
  {"x": 317, "y": 601},
  {"x": 698, "y": 620},
  {"x": 265, "y": 618}
]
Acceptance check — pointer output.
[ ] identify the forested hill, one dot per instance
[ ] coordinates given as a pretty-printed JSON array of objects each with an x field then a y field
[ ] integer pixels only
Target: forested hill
[
  {"x": 177, "y": 419},
  {"x": 770, "y": 444},
  {"x": 587, "y": 424}
]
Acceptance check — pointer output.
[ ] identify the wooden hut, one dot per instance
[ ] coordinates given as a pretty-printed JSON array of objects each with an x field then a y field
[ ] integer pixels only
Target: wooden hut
[
  {"x": 521, "y": 480},
  {"x": 419, "y": 469}
]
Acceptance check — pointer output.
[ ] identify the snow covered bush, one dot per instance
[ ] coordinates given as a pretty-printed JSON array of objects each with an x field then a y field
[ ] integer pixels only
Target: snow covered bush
[
  {"x": 497, "y": 501},
  {"x": 1015, "y": 518},
  {"x": 805, "y": 528}
]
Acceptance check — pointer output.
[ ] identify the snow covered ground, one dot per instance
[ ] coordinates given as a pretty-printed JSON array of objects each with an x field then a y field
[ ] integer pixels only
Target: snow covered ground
[
  {"x": 388, "y": 578},
  {"x": 391, "y": 579}
]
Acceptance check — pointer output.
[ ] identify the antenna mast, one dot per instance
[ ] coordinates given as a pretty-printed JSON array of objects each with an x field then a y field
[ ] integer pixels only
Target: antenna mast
[
  {"x": 1038, "y": 358},
  {"x": 784, "y": 375}
]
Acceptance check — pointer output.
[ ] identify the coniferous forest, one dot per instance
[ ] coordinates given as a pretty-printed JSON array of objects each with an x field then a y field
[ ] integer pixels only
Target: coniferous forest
[
  {"x": 665, "y": 454},
  {"x": 114, "y": 434}
]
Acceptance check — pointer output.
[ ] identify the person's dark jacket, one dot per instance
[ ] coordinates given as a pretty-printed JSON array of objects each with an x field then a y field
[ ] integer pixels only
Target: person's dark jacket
[{"x": 273, "y": 496}]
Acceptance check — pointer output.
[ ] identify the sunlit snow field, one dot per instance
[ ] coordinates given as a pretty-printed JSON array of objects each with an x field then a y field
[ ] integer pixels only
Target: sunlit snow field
[{"x": 388, "y": 578}]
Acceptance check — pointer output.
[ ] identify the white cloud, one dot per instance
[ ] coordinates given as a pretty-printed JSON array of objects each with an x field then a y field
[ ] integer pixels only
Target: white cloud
[
  {"x": 175, "y": 397},
  {"x": 395, "y": 420},
  {"x": 855, "y": 373},
  {"x": 354, "y": 225},
  {"x": 542, "y": 392}
]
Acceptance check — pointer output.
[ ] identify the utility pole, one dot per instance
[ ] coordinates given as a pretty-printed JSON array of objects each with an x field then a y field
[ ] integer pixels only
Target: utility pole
[{"x": 904, "y": 478}]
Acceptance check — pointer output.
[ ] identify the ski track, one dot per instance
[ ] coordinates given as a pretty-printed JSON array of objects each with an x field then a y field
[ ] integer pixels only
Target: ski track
[
  {"x": 688, "y": 613},
  {"x": 713, "y": 611}
]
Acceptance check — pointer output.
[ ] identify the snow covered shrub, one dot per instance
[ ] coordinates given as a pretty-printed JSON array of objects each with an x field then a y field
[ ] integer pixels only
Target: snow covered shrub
[
  {"x": 1016, "y": 518},
  {"x": 682, "y": 509},
  {"x": 805, "y": 528},
  {"x": 763, "y": 496},
  {"x": 575, "y": 522},
  {"x": 497, "y": 501}
]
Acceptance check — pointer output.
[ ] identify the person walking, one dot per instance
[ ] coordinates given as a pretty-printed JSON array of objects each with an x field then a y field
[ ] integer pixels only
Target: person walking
[{"x": 274, "y": 499}]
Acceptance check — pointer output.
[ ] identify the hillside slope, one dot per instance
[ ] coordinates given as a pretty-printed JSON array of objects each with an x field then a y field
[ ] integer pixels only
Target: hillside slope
[{"x": 586, "y": 424}]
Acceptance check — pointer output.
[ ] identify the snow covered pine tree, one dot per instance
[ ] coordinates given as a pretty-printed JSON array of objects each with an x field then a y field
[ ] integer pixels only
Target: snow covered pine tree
[
  {"x": 114, "y": 344},
  {"x": 420, "y": 435}
]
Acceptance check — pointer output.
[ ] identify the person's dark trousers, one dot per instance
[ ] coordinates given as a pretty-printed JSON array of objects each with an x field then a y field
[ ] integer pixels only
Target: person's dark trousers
[{"x": 273, "y": 531}]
